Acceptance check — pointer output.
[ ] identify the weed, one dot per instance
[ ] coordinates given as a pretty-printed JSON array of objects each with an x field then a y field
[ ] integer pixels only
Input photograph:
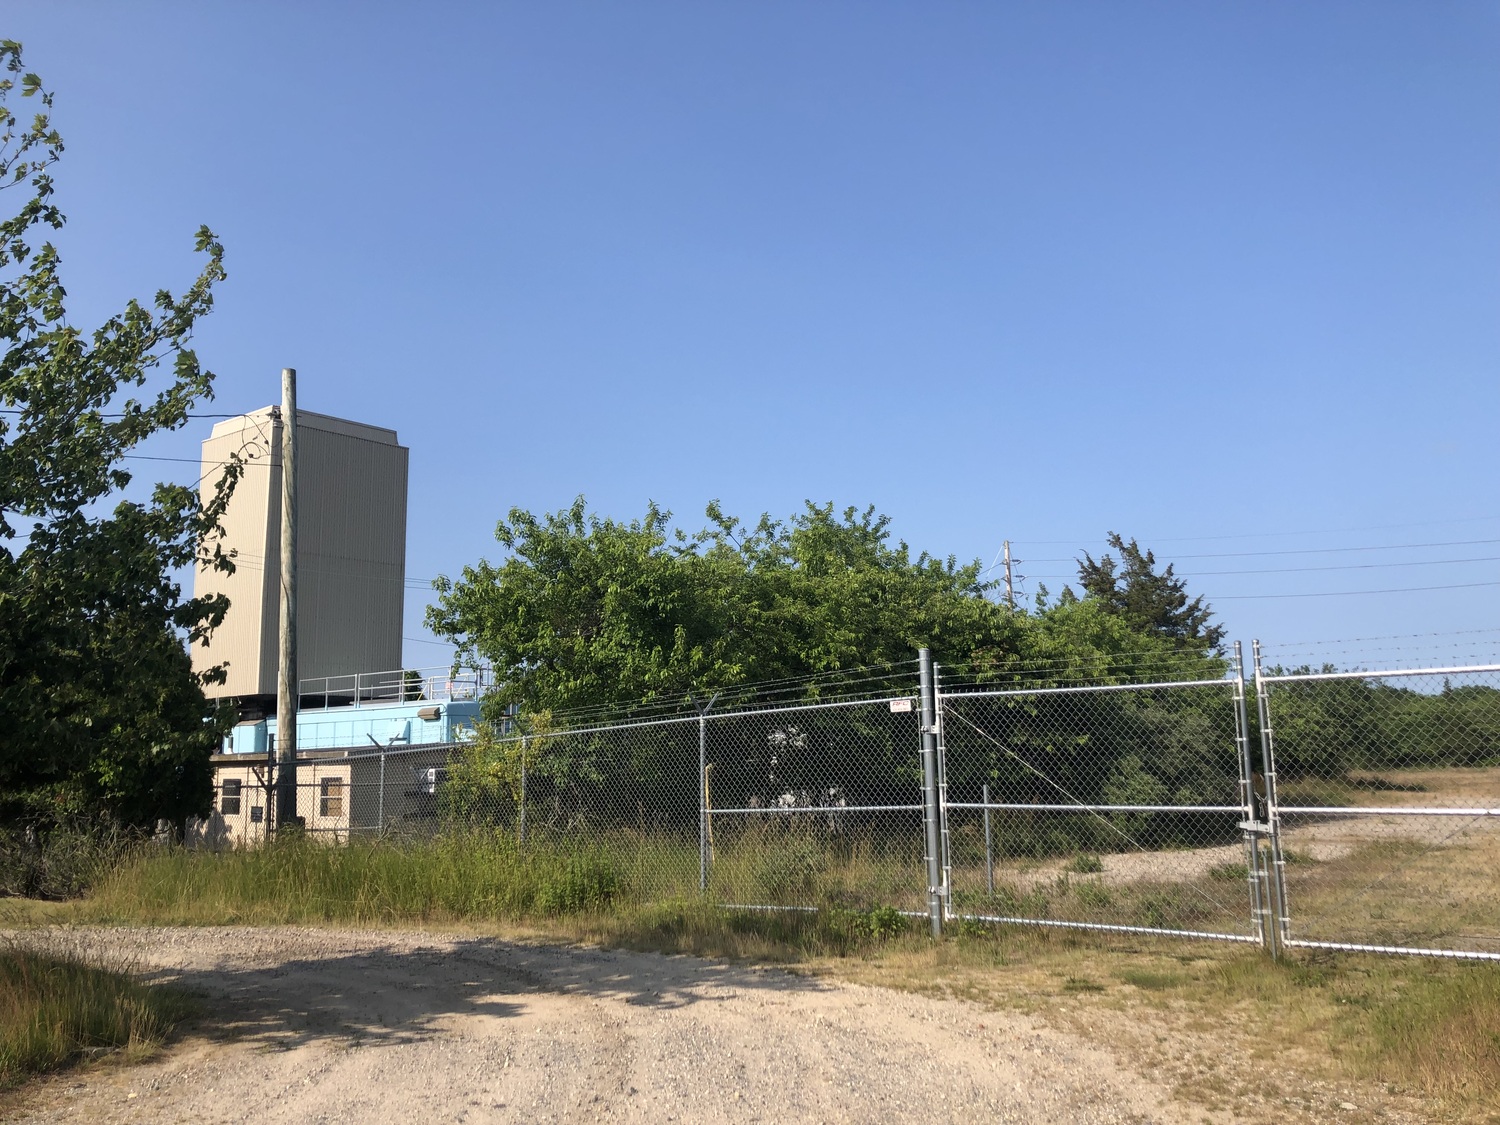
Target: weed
[
  {"x": 1081, "y": 984},
  {"x": 1095, "y": 894},
  {"x": 886, "y": 922},
  {"x": 1229, "y": 872},
  {"x": 54, "y": 1009},
  {"x": 1086, "y": 863}
]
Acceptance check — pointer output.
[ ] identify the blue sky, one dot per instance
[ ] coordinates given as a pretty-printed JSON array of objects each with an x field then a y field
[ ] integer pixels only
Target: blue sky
[{"x": 1224, "y": 277}]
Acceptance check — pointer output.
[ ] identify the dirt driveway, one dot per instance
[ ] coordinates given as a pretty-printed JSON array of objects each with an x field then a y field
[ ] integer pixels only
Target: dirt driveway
[{"x": 315, "y": 1025}]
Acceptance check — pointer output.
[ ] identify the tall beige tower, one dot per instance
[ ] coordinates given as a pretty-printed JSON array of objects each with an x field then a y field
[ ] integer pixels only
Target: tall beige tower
[{"x": 351, "y": 551}]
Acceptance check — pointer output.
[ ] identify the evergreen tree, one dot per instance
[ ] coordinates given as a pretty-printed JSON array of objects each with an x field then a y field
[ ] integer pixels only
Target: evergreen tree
[{"x": 1158, "y": 603}]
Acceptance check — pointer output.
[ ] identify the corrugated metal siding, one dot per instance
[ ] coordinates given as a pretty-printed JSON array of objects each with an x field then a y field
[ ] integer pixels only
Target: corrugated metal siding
[
  {"x": 351, "y": 551},
  {"x": 240, "y": 640}
]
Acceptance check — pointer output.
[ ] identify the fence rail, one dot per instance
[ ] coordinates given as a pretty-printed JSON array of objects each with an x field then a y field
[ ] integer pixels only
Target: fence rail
[{"x": 1355, "y": 810}]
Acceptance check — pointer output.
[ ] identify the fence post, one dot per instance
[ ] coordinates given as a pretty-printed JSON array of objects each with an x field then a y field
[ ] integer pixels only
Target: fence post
[
  {"x": 380, "y": 798},
  {"x": 521, "y": 812},
  {"x": 989, "y": 852},
  {"x": 1277, "y": 874},
  {"x": 930, "y": 810},
  {"x": 1250, "y": 826},
  {"x": 703, "y": 788}
]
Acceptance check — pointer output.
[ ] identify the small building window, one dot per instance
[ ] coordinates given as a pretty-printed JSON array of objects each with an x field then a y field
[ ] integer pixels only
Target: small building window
[
  {"x": 257, "y": 814},
  {"x": 331, "y": 796},
  {"x": 229, "y": 796}
]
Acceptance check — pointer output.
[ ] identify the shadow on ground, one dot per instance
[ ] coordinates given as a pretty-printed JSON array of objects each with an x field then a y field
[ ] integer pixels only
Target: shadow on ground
[{"x": 401, "y": 991}]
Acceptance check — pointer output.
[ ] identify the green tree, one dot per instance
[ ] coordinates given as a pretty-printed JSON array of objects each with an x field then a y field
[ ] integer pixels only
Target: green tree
[
  {"x": 101, "y": 711},
  {"x": 587, "y": 611},
  {"x": 1148, "y": 601}
]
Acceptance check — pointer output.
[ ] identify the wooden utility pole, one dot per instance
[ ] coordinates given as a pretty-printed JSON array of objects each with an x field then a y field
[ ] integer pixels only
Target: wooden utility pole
[
  {"x": 1010, "y": 590},
  {"x": 286, "y": 681}
]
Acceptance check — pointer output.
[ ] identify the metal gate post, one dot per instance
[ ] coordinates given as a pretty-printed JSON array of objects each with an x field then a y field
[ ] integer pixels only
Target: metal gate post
[
  {"x": 930, "y": 810},
  {"x": 703, "y": 710},
  {"x": 521, "y": 811},
  {"x": 944, "y": 835},
  {"x": 1277, "y": 872},
  {"x": 1250, "y": 826}
]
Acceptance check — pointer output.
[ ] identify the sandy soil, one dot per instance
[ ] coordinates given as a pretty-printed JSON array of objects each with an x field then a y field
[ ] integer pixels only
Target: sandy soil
[{"x": 332, "y": 1026}]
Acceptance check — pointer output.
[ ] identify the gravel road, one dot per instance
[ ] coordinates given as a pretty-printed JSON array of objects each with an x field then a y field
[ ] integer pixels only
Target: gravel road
[{"x": 313, "y": 1025}]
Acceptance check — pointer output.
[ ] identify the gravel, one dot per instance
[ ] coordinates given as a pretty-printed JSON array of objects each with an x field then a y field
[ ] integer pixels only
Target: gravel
[{"x": 316, "y": 1025}]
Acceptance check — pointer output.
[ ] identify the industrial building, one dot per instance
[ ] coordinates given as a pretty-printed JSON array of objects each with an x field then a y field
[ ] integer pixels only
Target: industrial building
[
  {"x": 368, "y": 764},
  {"x": 351, "y": 552},
  {"x": 352, "y": 725}
]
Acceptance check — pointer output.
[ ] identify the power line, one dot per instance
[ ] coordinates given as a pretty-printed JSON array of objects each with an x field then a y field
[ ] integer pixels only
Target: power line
[
  {"x": 1352, "y": 593},
  {"x": 191, "y": 460},
  {"x": 1276, "y": 534},
  {"x": 1311, "y": 569},
  {"x": 1309, "y": 550},
  {"x": 123, "y": 414}
]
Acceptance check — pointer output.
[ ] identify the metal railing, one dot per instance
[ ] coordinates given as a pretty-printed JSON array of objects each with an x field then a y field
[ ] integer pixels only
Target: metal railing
[{"x": 400, "y": 685}]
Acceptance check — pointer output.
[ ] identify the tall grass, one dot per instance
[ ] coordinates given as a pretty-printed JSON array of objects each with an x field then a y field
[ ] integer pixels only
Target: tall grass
[
  {"x": 1440, "y": 1033},
  {"x": 54, "y": 1009},
  {"x": 62, "y": 862},
  {"x": 482, "y": 874},
  {"x": 470, "y": 875}
]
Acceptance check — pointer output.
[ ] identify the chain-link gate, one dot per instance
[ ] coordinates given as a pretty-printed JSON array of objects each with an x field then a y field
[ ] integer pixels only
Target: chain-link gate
[
  {"x": 1384, "y": 794},
  {"x": 1120, "y": 808}
]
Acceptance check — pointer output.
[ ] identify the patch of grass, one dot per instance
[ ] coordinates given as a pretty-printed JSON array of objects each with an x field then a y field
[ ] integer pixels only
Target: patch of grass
[
  {"x": 1085, "y": 863},
  {"x": 1229, "y": 872},
  {"x": 55, "y": 1009},
  {"x": 1081, "y": 984},
  {"x": 1094, "y": 894},
  {"x": 60, "y": 863},
  {"x": 1436, "y": 1031},
  {"x": 1151, "y": 980}
]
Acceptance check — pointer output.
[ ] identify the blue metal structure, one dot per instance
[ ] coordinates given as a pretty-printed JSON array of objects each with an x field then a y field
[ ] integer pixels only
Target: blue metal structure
[{"x": 394, "y": 724}]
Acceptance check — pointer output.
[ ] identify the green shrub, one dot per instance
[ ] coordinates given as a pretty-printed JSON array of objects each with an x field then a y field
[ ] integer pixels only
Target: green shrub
[
  {"x": 790, "y": 864},
  {"x": 59, "y": 863},
  {"x": 1095, "y": 894}
]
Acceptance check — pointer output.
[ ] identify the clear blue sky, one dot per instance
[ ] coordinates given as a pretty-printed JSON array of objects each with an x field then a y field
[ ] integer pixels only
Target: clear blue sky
[{"x": 1225, "y": 277}]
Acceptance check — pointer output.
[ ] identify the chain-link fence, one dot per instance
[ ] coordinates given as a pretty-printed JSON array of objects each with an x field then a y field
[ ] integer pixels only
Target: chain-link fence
[
  {"x": 817, "y": 805},
  {"x": 1384, "y": 789},
  {"x": 1355, "y": 810},
  {"x": 1116, "y": 808}
]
